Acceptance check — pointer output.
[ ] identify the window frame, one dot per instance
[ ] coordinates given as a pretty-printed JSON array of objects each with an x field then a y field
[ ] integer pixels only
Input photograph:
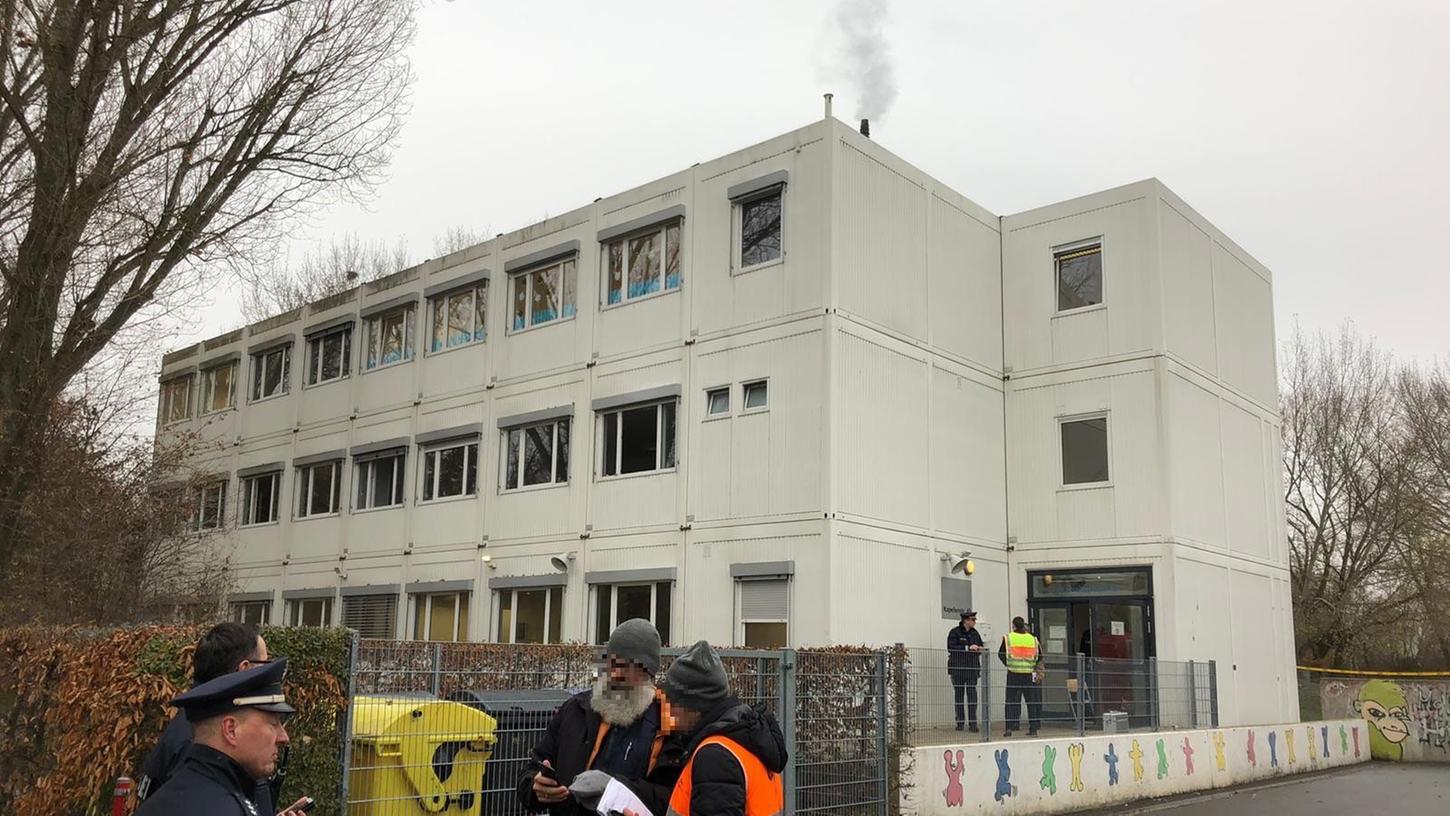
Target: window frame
[
  {"x": 248, "y": 497},
  {"x": 711, "y": 415},
  {"x": 284, "y": 385},
  {"x": 1068, "y": 249},
  {"x": 316, "y": 345},
  {"x": 737, "y": 231},
  {"x": 506, "y": 448},
  {"x": 440, "y": 302},
  {"x": 304, "y": 484},
  {"x": 208, "y": 388},
  {"x": 368, "y": 463},
  {"x": 596, "y": 591},
  {"x": 549, "y": 612},
  {"x": 421, "y": 610},
  {"x": 237, "y": 611},
  {"x": 745, "y": 396},
  {"x": 198, "y": 515},
  {"x": 374, "y": 322},
  {"x": 662, "y": 231},
  {"x": 741, "y": 620},
  {"x": 296, "y": 607},
  {"x": 571, "y": 260},
  {"x": 600, "y": 447},
  {"x": 436, "y": 450},
  {"x": 1062, "y": 482},
  {"x": 167, "y": 403}
]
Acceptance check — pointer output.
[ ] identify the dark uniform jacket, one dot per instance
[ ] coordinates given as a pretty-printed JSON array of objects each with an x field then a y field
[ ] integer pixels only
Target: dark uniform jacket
[
  {"x": 640, "y": 756},
  {"x": 208, "y": 782},
  {"x": 959, "y": 660},
  {"x": 165, "y": 761},
  {"x": 717, "y": 780}
]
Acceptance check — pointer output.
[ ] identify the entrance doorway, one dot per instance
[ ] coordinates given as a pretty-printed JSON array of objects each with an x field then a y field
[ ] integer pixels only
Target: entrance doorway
[{"x": 1107, "y": 616}]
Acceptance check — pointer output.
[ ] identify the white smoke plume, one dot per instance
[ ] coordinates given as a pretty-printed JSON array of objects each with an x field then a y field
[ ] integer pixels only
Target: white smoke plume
[{"x": 860, "y": 54}]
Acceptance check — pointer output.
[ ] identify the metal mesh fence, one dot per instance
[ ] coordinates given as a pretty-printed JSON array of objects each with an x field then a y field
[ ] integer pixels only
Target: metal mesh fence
[
  {"x": 449, "y": 727},
  {"x": 1073, "y": 696}
]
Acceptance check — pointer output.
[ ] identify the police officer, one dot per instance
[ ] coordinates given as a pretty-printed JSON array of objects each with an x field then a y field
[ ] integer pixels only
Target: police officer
[
  {"x": 1021, "y": 653},
  {"x": 964, "y": 666},
  {"x": 238, "y": 730}
]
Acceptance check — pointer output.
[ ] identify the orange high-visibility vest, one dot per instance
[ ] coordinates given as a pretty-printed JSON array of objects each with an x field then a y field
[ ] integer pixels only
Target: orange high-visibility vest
[{"x": 764, "y": 791}]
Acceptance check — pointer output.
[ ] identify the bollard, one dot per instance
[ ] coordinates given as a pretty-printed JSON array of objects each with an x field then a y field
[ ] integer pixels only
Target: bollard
[{"x": 121, "y": 797}]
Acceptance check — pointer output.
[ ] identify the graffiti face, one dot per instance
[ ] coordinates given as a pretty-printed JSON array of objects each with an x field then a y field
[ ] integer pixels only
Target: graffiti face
[{"x": 1382, "y": 704}]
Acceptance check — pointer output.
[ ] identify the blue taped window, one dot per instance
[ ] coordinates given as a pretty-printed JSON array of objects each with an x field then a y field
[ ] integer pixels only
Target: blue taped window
[
  {"x": 643, "y": 264},
  {"x": 459, "y": 318},
  {"x": 543, "y": 295}
]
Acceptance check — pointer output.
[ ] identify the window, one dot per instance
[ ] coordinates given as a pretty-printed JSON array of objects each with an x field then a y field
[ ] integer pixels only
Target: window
[
  {"x": 253, "y": 612},
  {"x": 380, "y": 481},
  {"x": 318, "y": 489},
  {"x": 211, "y": 507},
  {"x": 329, "y": 355},
  {"x": 764, "y": 613},
  {"x": 536, "y": 455},
  {"x": 176, "y": 400},
  {"x": 309, "y": 612},
  {"x": 636, "y": 267},
  {"x": 543, "y": 295},
  {"x": 1079, "y": 277},
  {"x": 270, "y": 372},
  {"x": 616, "y": 603},
  {"x": 759, "y": 230},
  {"x": 219, "y": 388},
  {"x": 440, "y": 616},
  {"x": 458, "y": 318},
  {"x": 450, "y": 471},
  {"x": 638, "y": 440},
  {"x": 717, "y": 402},
  {"x": 390, "y": 338},
  {"x": 530, "y": 615},
  {"x": 259, "y": 499},
  {"x": 1085, "y": 451},
  {"x": 373, "y": 616},
  {"x": 756, "y": 395}
]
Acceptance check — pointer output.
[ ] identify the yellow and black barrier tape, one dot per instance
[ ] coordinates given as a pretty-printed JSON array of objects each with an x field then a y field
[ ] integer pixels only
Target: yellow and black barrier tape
[{"x": 1358, "y": 673}]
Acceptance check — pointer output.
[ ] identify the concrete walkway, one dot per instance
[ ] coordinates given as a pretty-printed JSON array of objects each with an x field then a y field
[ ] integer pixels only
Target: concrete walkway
[{"x": 1371, "y": 788}]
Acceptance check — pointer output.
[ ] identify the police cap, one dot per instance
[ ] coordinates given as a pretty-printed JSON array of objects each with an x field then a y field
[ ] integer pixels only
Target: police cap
[{"x": 259, "y": 687}]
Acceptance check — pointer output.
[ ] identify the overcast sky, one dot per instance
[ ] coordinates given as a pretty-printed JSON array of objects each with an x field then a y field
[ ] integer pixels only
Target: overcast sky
[{"x": 1316, "y": 134}]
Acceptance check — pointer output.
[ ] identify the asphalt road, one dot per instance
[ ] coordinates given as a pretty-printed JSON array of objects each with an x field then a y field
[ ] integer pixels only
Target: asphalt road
[{"x": 1372, "y": 788}]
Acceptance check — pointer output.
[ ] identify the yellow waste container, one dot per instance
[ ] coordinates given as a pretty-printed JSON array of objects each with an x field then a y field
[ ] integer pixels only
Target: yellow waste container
[{"x": 413, "y": 756}]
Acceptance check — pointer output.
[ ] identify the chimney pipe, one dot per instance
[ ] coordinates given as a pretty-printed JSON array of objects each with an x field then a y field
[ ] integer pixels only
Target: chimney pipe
[
  {"x": 866, "y": 128},
  {"x": 828, "y": 105}
]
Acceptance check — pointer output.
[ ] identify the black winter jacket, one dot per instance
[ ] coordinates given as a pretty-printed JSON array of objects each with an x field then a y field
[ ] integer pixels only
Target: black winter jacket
[
  {"x": 567, "y": 746},
  {"x": 717, "y": 780},
  {"x": 959, "y": 640}
]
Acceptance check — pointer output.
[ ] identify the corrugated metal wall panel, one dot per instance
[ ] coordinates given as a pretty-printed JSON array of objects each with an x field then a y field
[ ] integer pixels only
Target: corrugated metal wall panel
[
  {"x": 881, "y": 265},
  {"x": 882, "y": 467},
  {"x": 1245, "y": 327},
  {"x": 1188, "y": 305},
  {"x": 1247, "y": 494},
  {"x": 1195, "y": 449},
  {"x": 968, "y": 477},
  {"x": 860, "y": 567},
  {"x": 964, "y": 284}
]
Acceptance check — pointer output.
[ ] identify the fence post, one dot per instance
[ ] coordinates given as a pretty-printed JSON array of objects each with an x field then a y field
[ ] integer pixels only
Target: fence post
[
  {"x": 786, "y": 693},
  {"x": 1081, "y": 693},
  {"x": 1153, "y": 692},
  {"x": 985, "y": 712},
  {"x": 437, "y": 669},
  {"x": 1192, "y": 695},
  {"x": 1213, "y": 691},
  {"x": 347, "y": 712},
  {"x": 884, "y": 787},
  {"x": 900, "y": 697}
]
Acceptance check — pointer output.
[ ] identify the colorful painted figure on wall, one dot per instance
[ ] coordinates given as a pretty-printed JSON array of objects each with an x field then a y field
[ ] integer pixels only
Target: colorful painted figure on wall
[
  {"x": 1004, "y": 776},
  {"x": 1111, "y": 757},
  {"x": 1162, "y": 760},
  {"x": 1218, "y": 757},
  {"x": 1324, "y": 737},
  {"x": 1289, "y": 745},
  {"x": 955, "y": 766},
  {"x": 1273, "y": 749},
  {"x": 1309, "y": 744},
  {"x": 1074, "y": 755},
  {"x": 1049, "y": 773},
  {"x": 1188, "y": 755},
  {"x": 1343, "y": 740},
  {"x": 1356, "y": 740},
  {"x": 1137, "y": 755},
  {"x": 1382, "y": 704},
  {"x": 1432, "y": 715},
  {"x": 1253, "y": 760}
]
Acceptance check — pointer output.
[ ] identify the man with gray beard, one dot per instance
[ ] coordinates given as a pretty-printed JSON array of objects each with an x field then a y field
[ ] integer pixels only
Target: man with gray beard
[{"x": 613, "y": 728}]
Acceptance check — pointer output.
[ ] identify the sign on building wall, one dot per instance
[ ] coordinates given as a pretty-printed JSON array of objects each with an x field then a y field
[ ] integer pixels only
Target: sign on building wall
[{"x": 956, "y": 597}]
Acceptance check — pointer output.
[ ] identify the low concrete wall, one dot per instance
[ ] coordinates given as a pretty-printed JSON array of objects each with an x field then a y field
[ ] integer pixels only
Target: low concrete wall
[
  {"x": 1067, "y": 774},
  {"x": 1408, "y": 720}
]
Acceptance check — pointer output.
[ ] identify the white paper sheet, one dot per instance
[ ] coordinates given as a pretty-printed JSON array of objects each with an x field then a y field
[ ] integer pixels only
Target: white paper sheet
[{"x": 618, "y": 797}]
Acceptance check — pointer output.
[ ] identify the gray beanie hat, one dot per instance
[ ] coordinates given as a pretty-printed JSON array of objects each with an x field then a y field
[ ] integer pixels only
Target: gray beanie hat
[
  {"x": 637, "y": 641},
  {"x": 696, "y": 679}
]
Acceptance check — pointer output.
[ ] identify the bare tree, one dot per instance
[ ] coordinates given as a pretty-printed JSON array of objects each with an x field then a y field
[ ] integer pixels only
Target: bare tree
[
  {"x": 146, "y": 143},
  {"x": 326, "y": 270},
  {"x": 1425, "y": 397},
  {"x": 457, "y": 237},
  {"x": 1352, "y": 501}
]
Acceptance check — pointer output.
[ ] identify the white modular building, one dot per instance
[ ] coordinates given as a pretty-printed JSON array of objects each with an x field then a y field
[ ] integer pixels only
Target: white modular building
[{"x": 773, "y": 399}]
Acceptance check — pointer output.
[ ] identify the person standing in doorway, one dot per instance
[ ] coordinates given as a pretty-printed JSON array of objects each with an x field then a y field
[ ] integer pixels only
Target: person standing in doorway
[
  {"x": 1022, "y": 655},
  {"x": 964, "y": 666}
]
